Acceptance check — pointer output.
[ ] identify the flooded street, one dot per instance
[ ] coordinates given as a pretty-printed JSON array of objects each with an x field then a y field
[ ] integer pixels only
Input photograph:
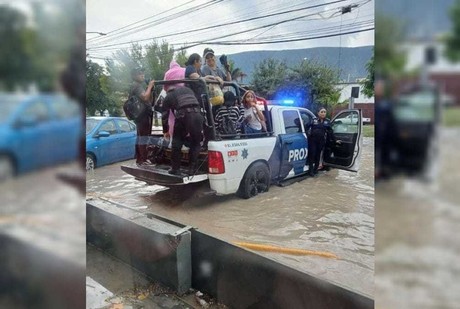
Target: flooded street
[
  {"x": 417, "y": 247},
  {"x": 333, "y": 212}
]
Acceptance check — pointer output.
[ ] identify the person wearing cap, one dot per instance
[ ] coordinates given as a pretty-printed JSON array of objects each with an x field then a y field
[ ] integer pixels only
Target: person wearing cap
[
  {"x": 228, "y": 110},
  {"x": 212, "y": 70},
  {"x": 188, "y": 125},
  {"x": 144, "y": 124}
]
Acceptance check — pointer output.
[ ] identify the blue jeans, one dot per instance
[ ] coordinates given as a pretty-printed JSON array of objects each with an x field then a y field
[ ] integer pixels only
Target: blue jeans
[{"x": 251, "y": 132}]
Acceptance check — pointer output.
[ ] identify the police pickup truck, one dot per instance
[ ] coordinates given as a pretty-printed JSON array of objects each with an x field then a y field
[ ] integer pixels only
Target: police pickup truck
[{"x": 248, "y": 165}]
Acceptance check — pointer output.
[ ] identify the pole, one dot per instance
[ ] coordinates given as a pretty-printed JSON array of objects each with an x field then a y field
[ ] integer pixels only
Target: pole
[{"x": 351, "y": 103}]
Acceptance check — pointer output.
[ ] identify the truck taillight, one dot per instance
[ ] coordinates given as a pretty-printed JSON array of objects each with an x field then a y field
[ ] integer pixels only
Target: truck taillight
[{"x": 215, "y": 162}]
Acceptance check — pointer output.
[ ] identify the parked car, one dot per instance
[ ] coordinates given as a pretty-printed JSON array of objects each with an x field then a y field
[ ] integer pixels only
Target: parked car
[
  {"x": 36, "y": 131},
  {"x": 109, "y": 140}
]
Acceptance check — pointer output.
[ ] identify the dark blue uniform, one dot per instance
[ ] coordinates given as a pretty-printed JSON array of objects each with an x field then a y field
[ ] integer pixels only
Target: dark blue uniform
[
  {"x": 320, "y": 132},
  {"x": 188, "y": 124}
]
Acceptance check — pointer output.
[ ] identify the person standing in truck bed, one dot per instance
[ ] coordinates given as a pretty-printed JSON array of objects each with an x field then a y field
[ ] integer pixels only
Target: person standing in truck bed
[{"x": 188, "y": 125}]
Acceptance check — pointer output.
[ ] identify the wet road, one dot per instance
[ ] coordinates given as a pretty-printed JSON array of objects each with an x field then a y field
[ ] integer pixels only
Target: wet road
[
  {"x": 333, "y": 212},
  {"x": 417, "y": 229}
]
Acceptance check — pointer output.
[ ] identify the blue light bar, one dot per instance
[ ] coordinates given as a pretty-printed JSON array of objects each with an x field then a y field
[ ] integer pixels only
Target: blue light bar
[{"x": 288, "y": 101}]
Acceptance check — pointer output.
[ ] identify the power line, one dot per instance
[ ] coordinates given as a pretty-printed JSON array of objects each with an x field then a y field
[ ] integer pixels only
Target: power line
[
  {"x": 155, "y": 15},
  {"x": 224, "y": 24},
  {"x": 283, "y": 41},
  {"x": 161, "y": 20}
]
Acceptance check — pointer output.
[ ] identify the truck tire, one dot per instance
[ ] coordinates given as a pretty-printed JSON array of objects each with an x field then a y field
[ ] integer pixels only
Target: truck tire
[{"x": 255, "y": 180}]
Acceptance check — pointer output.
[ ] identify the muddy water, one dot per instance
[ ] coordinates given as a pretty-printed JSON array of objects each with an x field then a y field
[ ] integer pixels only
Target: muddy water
[
  {"x": 333, "y": 212},
  {"x": 417, "y": 229}
]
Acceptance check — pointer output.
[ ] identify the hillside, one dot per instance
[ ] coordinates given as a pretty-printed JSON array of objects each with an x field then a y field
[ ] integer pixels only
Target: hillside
[{"x": 352, "y": 60}]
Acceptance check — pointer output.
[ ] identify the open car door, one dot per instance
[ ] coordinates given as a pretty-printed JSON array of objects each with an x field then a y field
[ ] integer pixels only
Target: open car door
[{"x": 347, "y": 126}]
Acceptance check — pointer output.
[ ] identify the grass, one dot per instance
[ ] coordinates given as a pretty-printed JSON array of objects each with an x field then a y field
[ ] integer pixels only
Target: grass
[
  {"x": 368, "y": 130},
  {"x": 451, "y": 117}
]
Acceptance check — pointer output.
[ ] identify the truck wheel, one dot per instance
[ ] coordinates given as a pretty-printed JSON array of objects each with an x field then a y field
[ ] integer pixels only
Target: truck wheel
[
  {"x": 256, "y": 180},
  {"x": 90, "y": 162}
]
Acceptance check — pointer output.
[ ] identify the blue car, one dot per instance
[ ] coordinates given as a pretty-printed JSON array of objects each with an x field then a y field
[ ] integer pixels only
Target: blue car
[
  {"x": 109, "y": 140},
  {"x": 36, "y": 131}
]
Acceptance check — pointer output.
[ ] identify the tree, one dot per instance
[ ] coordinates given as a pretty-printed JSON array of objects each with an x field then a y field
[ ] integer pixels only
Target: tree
[
  {"x": 96, "y": 98},
  {"x": 368, "y": 83},
  {"x": 268, "y": 76},
  {"x": 157, "y": 59},
  {"x": 17, "y": 58},
  {"x": 318, "y": 83},
  {"x": 388, "y": 36},
  {"x": 181, "y": 57},
  {"x": 453, "y": 39}
]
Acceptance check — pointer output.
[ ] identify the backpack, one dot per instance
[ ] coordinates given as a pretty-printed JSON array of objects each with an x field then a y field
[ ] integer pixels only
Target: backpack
[
  {"x": 134, "y": 109},
  {"x": 228, "y": 126}
]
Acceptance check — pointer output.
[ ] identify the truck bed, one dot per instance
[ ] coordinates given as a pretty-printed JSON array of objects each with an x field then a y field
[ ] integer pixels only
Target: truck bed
[{"x": 158, "y": 174}]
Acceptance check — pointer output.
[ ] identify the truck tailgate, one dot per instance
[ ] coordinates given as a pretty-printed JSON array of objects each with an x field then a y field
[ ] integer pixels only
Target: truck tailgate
[{"x": 158, "y": 175}]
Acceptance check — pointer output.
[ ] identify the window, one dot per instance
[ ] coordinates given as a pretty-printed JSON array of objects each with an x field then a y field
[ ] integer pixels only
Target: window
[
  {"x": 65, "y": 108},
  {"x": 306, "y": 119},
  {"x": 346, "y": 123},
  {"x": 36, "y": 111},
  {"x": 292, "y": 122},
  {"x": 124, "y": 126},
  {"x": 132, "y": 126},
  {"x": 109, "y": 126}
]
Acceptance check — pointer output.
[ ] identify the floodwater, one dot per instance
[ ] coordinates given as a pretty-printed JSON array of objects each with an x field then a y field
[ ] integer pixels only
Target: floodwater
[
  {"x": 417, "y": 229},
  {"x": 333, "y": 212}
]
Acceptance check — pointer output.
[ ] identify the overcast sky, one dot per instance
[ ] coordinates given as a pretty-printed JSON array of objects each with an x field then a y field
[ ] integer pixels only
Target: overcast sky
[{"x": 147, "y": 19}]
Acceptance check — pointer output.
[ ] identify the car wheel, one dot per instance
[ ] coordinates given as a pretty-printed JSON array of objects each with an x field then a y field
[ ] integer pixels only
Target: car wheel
[
  {"x": 256, "y": 180},
  {"x": 7, "y": 169},
  {"x": 90, "y": 162}
]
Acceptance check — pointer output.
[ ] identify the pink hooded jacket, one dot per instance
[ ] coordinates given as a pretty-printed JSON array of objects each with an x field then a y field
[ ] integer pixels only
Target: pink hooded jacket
[{"x": 174, "y": 72}]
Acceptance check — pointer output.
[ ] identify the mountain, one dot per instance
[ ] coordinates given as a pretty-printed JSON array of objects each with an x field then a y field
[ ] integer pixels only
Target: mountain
[
  {"x": 351, "y": 61},
  {"x": 421, "y": 19}
]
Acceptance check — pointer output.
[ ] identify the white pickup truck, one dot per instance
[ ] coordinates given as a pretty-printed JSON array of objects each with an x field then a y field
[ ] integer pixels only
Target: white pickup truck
[{"x": 249, "y": 165}]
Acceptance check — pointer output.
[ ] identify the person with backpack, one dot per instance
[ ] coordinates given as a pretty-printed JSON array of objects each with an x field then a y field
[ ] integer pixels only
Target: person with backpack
[
  {"x": 227, "y": 117},
  {"x": 144, "y": 120}
]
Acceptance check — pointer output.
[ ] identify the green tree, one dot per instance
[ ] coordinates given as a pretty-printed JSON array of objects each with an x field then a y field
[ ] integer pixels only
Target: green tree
[
  {"x": 453, "y": 39},
  {"x": 17, "y": 49},
  {"x": 320, "y": 81},
  {"x": 96, "y": 98},
  {"x": 157, "y": 59},
  {"x": 268, "y": 76},
  {"x": 368, "y": 83},
  {"x": 388, "y": 36},
  {"x": 181, "y": 57}
]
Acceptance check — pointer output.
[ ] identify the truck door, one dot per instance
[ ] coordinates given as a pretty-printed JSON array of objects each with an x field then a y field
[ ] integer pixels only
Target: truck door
[
  {"x": 293, "y": 141},
  {"x": 347, "y": 126}
]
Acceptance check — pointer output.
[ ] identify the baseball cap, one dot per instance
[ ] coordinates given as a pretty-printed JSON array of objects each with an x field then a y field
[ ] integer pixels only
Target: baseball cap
[
  {"x": 137, "y": 70},
  {"x": 207, "y": 51}
]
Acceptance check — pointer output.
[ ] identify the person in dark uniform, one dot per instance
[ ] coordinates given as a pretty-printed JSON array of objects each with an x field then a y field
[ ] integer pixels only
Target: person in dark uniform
[
  {"x": 188, "y": 125},
  {"x": 384, "y": 131},
  {"x": 144, "y": 124},
  {"x": 320, "y": 132}
]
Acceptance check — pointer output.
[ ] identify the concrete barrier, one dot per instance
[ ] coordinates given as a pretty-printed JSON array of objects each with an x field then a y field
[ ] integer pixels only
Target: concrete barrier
[
  {"x": 234, "y": 276},
  {"x": 158, "y": 248}
]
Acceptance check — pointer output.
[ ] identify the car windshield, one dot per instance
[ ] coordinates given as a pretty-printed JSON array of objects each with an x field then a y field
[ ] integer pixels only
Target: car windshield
[
  {"x": 419, "y": 106},
  {"x": 7, "y": 106},
  {"x": 90, "y": 124}
]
